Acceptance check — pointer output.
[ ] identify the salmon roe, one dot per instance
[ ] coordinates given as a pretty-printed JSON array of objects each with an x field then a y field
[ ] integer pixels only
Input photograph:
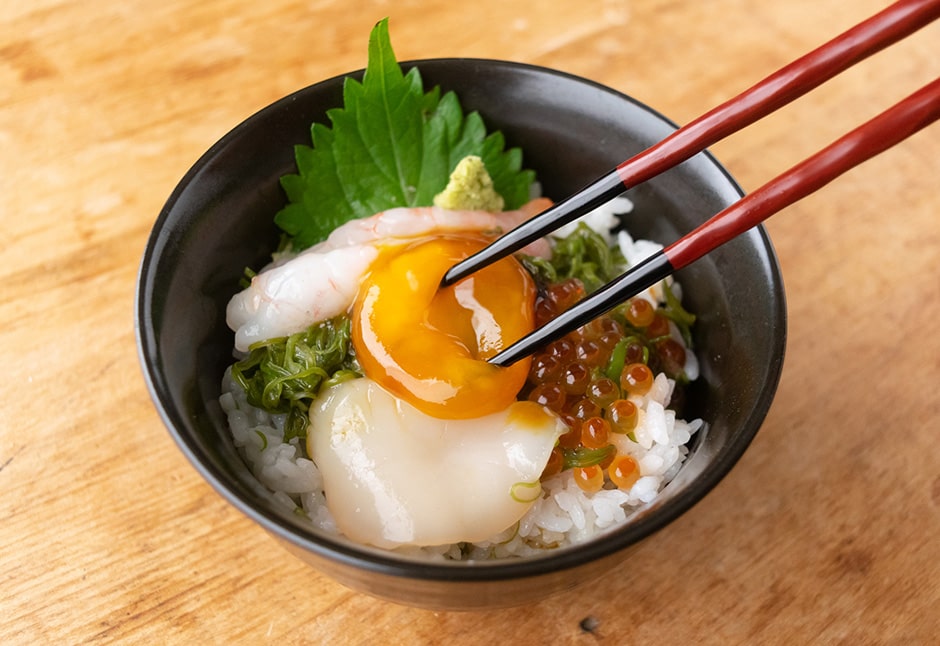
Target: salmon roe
[
  {"x": 594, "y": 432},
  {"x": 622, "y": 416},
  {"x": 588, "y": 378},
  {"x": 640, "y": 312},
  {"x": 623, "y": 471},
  {"x": 636, "y": 379},
  {"x": 591, "y": 478},
  {"x": 555, "y": 464}
]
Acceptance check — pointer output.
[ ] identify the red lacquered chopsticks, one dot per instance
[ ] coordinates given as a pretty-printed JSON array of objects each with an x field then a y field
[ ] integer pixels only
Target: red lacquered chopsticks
[
  {"x": 914, "y": 113},
  {"x": 887, "y": 129}
]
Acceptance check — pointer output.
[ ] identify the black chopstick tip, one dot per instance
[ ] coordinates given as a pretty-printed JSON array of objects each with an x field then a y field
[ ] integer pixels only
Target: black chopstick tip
[
  {"x": 451, "y": 276},
  {"x": 505, "y": 358},
  {"x": 639, "y": 277}
]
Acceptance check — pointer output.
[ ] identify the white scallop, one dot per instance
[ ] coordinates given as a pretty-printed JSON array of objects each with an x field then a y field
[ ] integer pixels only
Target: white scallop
[{"x": 395, "y": 476}]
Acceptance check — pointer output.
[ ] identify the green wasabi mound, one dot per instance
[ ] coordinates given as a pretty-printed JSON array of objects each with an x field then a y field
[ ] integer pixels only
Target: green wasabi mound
[{"x": 470, "y": 188}]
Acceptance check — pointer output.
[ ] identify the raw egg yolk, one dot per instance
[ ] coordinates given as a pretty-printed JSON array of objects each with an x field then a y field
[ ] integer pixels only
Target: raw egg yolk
[{"x": 429, "y": 345}]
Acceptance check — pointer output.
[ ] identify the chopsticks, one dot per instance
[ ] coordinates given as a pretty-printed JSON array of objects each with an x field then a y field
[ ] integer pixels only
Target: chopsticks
[
  {"x": 887, "y": 129},
  {"x": 790, "y": 82}
]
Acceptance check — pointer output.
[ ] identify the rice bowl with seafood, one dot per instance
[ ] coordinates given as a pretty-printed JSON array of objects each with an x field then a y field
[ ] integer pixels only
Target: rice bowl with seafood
[
  {"x": 218, "y": 220},
  {"x": 555, "y": 514}
]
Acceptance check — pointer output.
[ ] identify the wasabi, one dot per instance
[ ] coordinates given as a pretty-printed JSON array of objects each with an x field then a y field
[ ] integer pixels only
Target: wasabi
[{"x": 470, "y": 188}]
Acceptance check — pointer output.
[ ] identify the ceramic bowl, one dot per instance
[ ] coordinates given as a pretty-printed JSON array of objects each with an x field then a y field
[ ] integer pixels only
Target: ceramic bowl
[{"x": 219, "y": 220}]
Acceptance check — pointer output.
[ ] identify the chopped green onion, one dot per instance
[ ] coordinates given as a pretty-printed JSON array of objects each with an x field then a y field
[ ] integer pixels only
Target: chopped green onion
[
  {"x": 526, "y": 491},
  {"x": 618, "y": 357}
]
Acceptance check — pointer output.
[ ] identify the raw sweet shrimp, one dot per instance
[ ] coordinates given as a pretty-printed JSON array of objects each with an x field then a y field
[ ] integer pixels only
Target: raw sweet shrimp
[
  {"x": 291, "y": 297},
  {"x": 413, "y": 222},
  {"x": 322, "y": 281}
]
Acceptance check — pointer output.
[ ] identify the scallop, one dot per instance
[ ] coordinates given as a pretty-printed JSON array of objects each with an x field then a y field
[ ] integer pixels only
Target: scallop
[{"x": 396, "y": 476}]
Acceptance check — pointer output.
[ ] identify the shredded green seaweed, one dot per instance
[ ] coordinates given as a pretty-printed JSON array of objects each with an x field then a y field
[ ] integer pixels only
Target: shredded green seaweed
[
  {"x": 584, "y": 457},
  {"x": 583, "y": 255},
  {"x": 285, "y": 374},
  {"x": 618, "y": 356},
  {"x": 678, "y": 314}
]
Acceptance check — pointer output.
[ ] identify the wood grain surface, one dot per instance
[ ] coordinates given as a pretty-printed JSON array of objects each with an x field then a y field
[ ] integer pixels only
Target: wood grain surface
[{"x": 826, "y": 531}]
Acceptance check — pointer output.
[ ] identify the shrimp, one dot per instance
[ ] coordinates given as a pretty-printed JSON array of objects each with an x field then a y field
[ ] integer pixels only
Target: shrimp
[
  {"x": 293, "y": 296},
  {"x": 511, "y": 219},
  {"x": 414, "y": 222},
  {"x": 322, "y": 281}
]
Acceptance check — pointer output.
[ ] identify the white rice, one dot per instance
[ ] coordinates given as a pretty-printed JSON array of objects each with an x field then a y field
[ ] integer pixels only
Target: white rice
[{"x": 562, "y": 516}]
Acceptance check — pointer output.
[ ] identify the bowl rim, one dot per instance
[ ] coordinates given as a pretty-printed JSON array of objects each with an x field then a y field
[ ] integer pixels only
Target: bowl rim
[{"x": 388, "y": 563}]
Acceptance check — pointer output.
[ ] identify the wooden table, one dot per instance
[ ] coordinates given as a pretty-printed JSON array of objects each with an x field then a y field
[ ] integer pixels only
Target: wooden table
[{"x": 827, "y": 530}]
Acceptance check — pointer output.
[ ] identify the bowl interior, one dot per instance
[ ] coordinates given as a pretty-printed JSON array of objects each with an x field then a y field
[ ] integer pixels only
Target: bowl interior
[{"x": 220, "y": 220}]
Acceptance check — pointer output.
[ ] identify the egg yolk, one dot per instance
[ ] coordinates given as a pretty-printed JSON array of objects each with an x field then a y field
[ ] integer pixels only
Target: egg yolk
[{"x": 429, "y": 345}]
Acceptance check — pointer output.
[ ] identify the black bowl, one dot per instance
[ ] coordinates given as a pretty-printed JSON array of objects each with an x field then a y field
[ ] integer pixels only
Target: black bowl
[{"x": 220, "y": 220}]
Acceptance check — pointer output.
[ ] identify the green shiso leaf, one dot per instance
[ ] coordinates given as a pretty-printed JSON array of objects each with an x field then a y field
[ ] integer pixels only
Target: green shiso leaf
[{"x": 391, "y": 144}]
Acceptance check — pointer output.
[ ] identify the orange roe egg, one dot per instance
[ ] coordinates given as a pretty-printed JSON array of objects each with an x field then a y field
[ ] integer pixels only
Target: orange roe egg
[
  {"x": 550, "y": 395},
  {"x": 544, "y": 368},
  {"x": 636, "y": 379},
  {"x": 659, "y": 327},
  {"x": 583, "y": 408},
  {"x": 622, "y": 415},
  {"x": 566, "y": 293},
  {"x": 640, "y": 312},
  {"x": 572, "y": 438},
  {"x": 608, "y": 340},
  {"x": 610, "y": 326},
  {"x": 570, "y": 420},
  {"x": 590, "y": 352},
  {"x": 603, "y": 392},
  {"x": 575, "y": 378},
  {"x": 590, "y": 479},
  {"x": 600, "y": 326},
  {"x": 563, "y": 349},
  {"x": 623, "y": 472},
  {"x": 672, "y": 355},
  {"x": 544, "y": 312},
  {"x": 636, "y": 353},
  {"x": 594, "y": 432}
]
